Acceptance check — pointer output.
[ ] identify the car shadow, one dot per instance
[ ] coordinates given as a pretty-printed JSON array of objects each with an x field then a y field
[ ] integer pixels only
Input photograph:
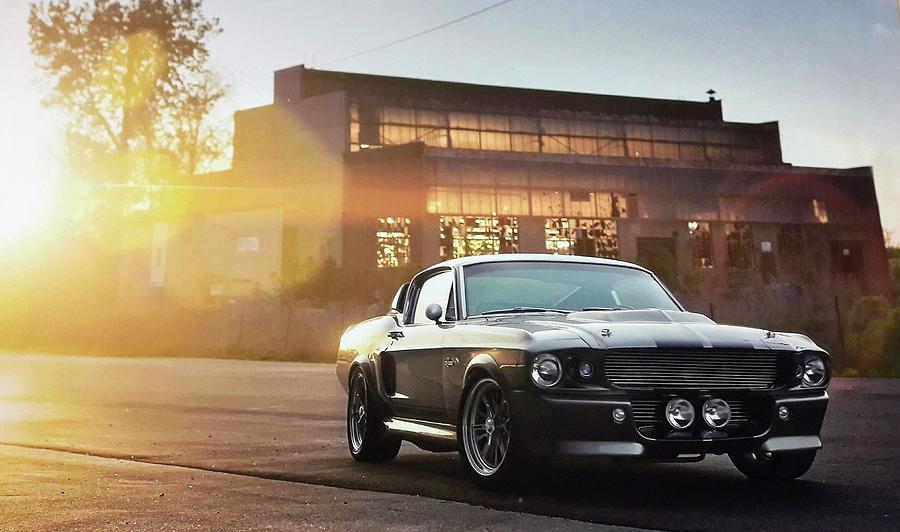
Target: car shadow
[{"x": 706, "y": 495}]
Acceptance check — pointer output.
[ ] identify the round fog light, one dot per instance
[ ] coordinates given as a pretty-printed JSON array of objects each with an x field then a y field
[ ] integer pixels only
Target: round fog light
[
  {"x": 618, "y": 415},
  {"x": 680, "y": 413},
  {"x": 783, "y": 413},
  {"x": 585, "y": 369},
  {"x": 716, "y": 413}
]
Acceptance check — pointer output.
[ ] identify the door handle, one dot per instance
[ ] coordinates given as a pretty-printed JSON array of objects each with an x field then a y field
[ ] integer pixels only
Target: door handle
[
  {"x": 396, "y": 335},
  {"x": 449, "y": 362}
]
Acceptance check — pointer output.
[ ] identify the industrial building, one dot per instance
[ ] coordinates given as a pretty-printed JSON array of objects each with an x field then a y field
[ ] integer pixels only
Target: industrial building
[{"x": 375, "y": 172}]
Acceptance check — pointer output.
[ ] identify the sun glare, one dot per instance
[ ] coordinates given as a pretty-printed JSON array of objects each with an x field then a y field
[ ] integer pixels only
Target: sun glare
[{"x": 26, "y": 205}]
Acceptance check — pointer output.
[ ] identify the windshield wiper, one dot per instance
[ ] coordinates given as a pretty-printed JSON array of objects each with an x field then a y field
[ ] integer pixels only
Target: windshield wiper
[
  {"x": 513, "y": 310},
  {"x": 620, "y": 307}
]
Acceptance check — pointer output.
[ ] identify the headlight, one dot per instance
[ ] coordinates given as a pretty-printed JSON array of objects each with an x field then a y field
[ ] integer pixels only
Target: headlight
[
  {"x": 546, "y": 370},
  {"x": 813, "y": 370}
]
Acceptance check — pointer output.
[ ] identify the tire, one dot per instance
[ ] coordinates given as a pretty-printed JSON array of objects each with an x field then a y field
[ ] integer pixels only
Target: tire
[
  {"x": 773, "y": 467},
  {"x": 366, "y": 436},
  {"x": 489, "y": 446}
]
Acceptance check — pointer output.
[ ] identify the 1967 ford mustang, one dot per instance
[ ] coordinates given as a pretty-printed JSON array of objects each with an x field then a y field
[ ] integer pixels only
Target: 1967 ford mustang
[{"x": 506, "y": 358}]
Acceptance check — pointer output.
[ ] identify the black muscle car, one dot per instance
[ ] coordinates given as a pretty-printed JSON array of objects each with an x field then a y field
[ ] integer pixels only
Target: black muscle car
[{"x": 510, "y": 357}]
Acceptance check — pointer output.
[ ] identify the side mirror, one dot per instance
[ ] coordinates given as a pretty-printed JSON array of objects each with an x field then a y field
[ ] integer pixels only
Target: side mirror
[{"x": 434, "y": 312}]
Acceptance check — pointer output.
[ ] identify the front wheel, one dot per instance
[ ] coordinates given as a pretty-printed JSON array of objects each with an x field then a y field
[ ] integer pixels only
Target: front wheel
[
  {"x": 365, "y": 433},
  {"x": 488, "y": 445},
  {"x": 782, "y": 466}
]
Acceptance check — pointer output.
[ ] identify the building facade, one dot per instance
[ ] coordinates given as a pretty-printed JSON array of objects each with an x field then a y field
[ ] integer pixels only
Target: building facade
[{"x": 380, "y": 172}]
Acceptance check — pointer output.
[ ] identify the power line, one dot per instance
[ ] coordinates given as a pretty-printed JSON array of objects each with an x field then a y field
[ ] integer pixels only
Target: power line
[{"x": 419, "y": 34}]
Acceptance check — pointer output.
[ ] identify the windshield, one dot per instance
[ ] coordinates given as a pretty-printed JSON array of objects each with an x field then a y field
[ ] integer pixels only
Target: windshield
[{"x": 562, "y": 286}]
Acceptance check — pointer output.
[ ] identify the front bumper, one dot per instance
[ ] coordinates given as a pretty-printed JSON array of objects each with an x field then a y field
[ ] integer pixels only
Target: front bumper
[{"x": 583, "y": 425}]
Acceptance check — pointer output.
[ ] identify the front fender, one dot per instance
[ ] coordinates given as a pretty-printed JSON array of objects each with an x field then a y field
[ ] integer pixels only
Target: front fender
[{"x": 369, "y": 367}]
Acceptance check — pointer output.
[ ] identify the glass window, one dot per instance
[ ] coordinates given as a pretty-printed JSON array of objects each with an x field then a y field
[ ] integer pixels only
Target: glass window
[
  {"x": 640, "y": 148},
  {"x": 444, "y": 200},
  {"x": 610, "y": 129},
  {"x": 619, "y": 206},
  {"x": 556, "y": 236},
  {"x": 718, "y": 153},
  {"x": 435, "y": 289},
  {"x": 463, "y": 236},
  {"x": 465, "y": 139},
  {"x": 555, "y": 144},
  {"x": 604, "y": 204},
  {"x": 819, "y": 211},
  {"x": 701, "y": 244},
  {"x": 665, "y": 133},
  {"x": 354, "y": 133},
  {"x": 478, "y": 201},
  {"x": 392, "y": 236},
  {"x": 528, "y": 143},
  {"x": 739, "y": 240},
  {"x": 464, "y": 121},
  {"x": 398, "y": 115},
  {"x": 583, "y": 145},
  {"x": 546, "y": 202},
  {"x": 611, "y": 147},
  {"x": 524, "y": 124},
  {"x": 560, "y": 285},
  {"x": 494, "y": 122},
  {"x": 639, "y": 131},
  {"x": 665, "y": 150},
  {"x": 691, "y": 152},
  {"x": 393, "y": 135},
  {"x": 491, "y": 140},
  {"x": 555, "y": 126},
  {"x": 431, "y": 118},
  {"x": 583, "y": 128},
  {"x": 433, "y": 136},
  {"x": 513, "y": 201},
  {"x": 585, "y": 237},
  {"x": 581, "y": 204}
]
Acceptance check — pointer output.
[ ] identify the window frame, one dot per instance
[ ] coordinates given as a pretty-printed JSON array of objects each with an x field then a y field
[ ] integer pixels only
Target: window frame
[{"x": 415, "y": 290}]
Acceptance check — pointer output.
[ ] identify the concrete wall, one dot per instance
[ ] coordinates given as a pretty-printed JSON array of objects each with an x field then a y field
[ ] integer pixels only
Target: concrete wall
[{"x": 204, "y": 258}]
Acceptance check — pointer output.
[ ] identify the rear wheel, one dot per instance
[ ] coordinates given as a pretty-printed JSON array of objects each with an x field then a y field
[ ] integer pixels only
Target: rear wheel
[
  {"x": 488, "y": 446},
  {"x": 765, "y": 466},
  {"x": 365, "y": 433}
]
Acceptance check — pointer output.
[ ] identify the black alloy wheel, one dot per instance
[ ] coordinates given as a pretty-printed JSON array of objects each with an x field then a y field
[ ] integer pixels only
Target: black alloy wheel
[
  {"x": 488, "y": 446},
  {"x": 366, "y": 436}
]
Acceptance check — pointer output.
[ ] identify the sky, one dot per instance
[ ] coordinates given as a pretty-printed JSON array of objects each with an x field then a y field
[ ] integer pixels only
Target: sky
[{"x": 827, "y": 70}]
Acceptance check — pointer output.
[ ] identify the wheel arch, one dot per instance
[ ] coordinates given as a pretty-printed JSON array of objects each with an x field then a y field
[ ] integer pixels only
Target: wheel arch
[{"x": 481, "y": 365}]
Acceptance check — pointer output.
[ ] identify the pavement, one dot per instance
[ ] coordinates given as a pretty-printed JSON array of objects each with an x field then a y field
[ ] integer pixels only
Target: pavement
[{"x": 174, "y": 444}]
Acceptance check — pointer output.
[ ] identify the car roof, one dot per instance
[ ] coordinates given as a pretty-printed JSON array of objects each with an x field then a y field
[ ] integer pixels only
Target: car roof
[{"x": 536, "y": 257}]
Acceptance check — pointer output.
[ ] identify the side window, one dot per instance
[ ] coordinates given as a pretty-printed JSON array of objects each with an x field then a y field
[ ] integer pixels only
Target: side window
[
  {"x": 434, "y": 290},
  {"x": 450, "y": 311}
]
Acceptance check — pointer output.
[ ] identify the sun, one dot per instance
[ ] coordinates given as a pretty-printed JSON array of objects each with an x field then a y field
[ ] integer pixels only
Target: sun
[{"x": 27, "y": 199}]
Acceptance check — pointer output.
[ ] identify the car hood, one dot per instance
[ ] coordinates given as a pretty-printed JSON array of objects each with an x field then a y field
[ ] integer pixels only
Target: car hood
[{"x": 636, "y": 329}]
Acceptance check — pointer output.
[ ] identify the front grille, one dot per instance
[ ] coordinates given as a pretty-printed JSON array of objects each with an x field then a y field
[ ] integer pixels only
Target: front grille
[
  {"x": 710, "y": 370},
  {"x": 650, "y": 412}
]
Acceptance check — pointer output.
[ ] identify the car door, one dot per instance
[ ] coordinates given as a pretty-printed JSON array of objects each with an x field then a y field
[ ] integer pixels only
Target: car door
[{"x": 416, "y": 352}]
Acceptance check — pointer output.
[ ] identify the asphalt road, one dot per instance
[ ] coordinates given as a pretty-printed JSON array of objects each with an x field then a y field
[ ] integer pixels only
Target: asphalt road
[{"x": 193, "y": 443}]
